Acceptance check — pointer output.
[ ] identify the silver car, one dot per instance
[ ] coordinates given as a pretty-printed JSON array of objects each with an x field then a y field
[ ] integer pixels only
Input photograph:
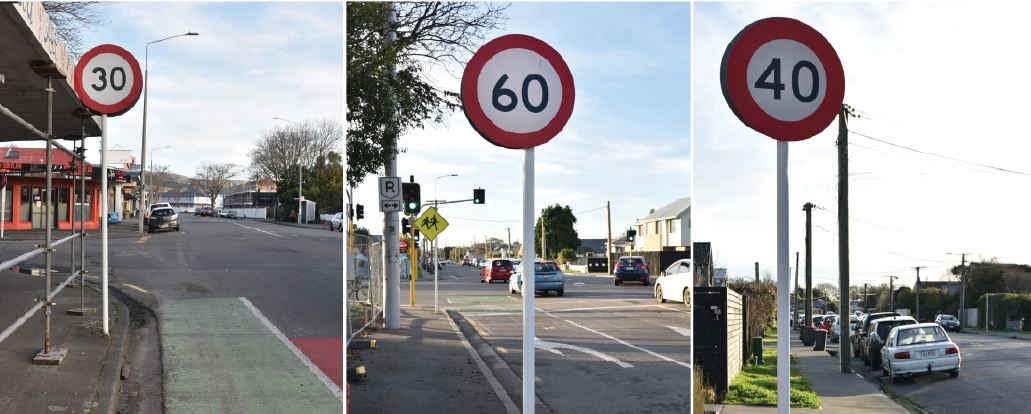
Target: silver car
[{"x": 919, "y": 349}]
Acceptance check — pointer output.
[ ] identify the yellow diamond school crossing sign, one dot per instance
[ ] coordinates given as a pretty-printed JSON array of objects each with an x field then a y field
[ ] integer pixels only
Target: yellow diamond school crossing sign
[{"x": 431, "y": 223}]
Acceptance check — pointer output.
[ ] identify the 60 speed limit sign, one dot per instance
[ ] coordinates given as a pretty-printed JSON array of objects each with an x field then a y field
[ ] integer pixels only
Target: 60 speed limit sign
[
  {"x": 517, "y": 91},
  {"x": 783, "y": 79},
  {"x": 108, "y": 80}
]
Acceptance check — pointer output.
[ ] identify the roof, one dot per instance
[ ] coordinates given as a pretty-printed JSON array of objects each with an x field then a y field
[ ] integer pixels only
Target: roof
[
  {"x": 669, "y": 211},
  {"x": 33, "y": 156},
  {"x": 594, "y": 244}
]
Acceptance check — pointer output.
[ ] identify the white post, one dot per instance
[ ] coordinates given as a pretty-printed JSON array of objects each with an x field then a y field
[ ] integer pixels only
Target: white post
[
  {"x": 103, "y": 217},
  {"x": 528, "y": 285},
  {"x": 3, "y": 207},
  {"x": 985, "y": 313},
  {"x": 436, "y": 265},
  {"x": 783, "y": 332},
  {"x": 300, "y": 186}
]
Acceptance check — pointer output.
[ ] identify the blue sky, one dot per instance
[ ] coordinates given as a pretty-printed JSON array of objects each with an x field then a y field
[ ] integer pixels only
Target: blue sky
[
  {"x": 936, "y": 76},
  {"x": 212, "y": 95},
  {"x": 628, "y": 140}
]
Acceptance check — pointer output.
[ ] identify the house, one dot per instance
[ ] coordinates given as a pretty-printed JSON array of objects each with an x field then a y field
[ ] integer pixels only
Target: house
[
  {"x": 619, "y": 244},
  {"x": 666, "y": 226},
  {"x": 185, "y": 200}
]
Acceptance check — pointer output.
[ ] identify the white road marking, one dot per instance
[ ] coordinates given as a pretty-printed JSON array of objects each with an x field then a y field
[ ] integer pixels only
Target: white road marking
[
  {"x": 679, "y": 330},
  {"x": 510, "y": 406},
  {"x": 452, "y": 276},
  {"x": 290, "y": 345},
  {"x": 650, "y": 352},
  {"x": 263, "y": 231},
  {"x": 571, "y": 310},
  {"x": 554, "y": 347}
]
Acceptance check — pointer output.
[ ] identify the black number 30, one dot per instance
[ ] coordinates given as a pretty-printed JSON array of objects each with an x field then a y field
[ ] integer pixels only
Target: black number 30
[
  {"x": 499, "y": 91},
  {"x": 115, "y": 83}
]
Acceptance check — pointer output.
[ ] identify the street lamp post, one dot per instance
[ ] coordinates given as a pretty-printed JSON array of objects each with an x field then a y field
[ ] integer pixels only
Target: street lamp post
[
  {"x": 143, "y": 149},
  {"x": 436, "y": 265}
]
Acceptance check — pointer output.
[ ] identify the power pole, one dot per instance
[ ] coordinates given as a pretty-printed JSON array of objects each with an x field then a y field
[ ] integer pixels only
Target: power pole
[
  {"x": 866, "y": 298},
  {"x": 891, "y": 292},
  {"x": 509, "y": 241},
  {"x": 608, "y": 247},
  {"x": 808, "y": 207},
  {"x": 391, "y": 237},
  {"x": 544, "y": 240},
  {"x": 845, "y": 354},
  {"x": 756, "y": 272},
  {"x": 917, "y": 313},
  {"x": 962, "y": 289}
]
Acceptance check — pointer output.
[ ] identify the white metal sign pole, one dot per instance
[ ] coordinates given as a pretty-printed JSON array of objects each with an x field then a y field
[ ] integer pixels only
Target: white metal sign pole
[
  {"x": 783, "y": 330},
  {"x": 528, "y": 289},
  {"x": 103, "y": 218},
  {"x": 3, "y": 207},
  {"x": 436, "y": 266}
]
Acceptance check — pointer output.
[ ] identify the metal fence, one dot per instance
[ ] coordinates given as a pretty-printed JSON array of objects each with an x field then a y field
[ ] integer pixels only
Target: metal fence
[{"x": 365, "y": 285}]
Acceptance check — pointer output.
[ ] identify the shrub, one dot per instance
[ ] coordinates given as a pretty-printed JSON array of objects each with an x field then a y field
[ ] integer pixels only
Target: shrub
[
  {"x": 702, "y": 394},
  {"x": 566, "y": 256}
]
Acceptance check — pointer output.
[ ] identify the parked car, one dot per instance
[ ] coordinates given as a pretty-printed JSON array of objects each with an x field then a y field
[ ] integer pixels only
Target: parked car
[
  {"x": 674, "y": 283},
  {"x": 947, "y": 322},
  {"x": 499, "y": 269},
  {"x": 231, "y": 215},
  {"x": 631, "y": 268},
  {"x": 204, "y": 212},
  {"x": 547, "y": 278},
  {"x": 864, "y": 323},
  {"x": 828, "y": 321},
  {"x": 337, "y": 222},
  {"x": 836, "y": 328},
  {"x": 919, "y": 349},
  {"x": 878, "y": 335},
  {"x": 481, "y": 263},
  {"x": 163, "y": 219}
]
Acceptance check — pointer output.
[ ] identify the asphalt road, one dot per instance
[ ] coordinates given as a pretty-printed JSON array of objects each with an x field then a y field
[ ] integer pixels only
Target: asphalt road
[
  {"x": 994, "y": 378},
  {"x": 601, "y": 348}
]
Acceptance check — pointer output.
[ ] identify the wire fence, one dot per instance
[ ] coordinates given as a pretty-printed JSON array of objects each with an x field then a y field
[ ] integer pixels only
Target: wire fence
[{"x": 365, "y": 294}]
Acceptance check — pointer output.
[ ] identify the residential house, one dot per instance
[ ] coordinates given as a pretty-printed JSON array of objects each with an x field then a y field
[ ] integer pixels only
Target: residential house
[{"x": 665, "y": 227}]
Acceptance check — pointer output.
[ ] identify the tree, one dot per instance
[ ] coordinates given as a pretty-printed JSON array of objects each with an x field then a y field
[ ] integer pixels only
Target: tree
[
  {"x": 559, "y": 230},
  {"x": 212, "y": 179},
  {"x": 324, "y": 184},
  {"x": 71, "y": 18},
  {"x": 161, "y": 181},
  {"x": 362, "y": 230},
  {"x": 388, "y": 88},
  {"x": 278, "y": 151},
  {"x": 566, "y": 256}
]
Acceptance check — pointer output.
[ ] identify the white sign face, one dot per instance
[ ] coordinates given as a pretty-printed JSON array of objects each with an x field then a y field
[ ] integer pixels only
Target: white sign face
[
  {"x": 787, "y": 80},
  {"x": 390, "y": 194},
  {"x": 108, "y": 78},
  {"x": 519, "y": 90}
]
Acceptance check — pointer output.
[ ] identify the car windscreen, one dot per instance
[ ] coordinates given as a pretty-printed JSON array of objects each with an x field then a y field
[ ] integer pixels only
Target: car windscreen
[
  {"x": 501, "y": 263},
  {"x": 883, "y": 327},
  {"x": 545, "y": 267},
  {"x": 921, "y": 335},
  {"x": 164, "y": 212},
  {"x": 948, "y": 318}
]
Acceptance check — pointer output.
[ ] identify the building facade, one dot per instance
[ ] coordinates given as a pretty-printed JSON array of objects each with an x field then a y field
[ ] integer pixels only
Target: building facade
[{"x": 667, "y": 226}]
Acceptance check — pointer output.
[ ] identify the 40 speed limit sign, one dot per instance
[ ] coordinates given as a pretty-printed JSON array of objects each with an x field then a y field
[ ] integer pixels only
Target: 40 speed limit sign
[
  {"x": 783, "y": 79},
  {"x": 517, "y": 91},
  {"x": 108, "y": 80}
]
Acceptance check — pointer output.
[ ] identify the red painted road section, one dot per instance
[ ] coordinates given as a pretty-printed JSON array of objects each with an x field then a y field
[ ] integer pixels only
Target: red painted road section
[{"x": 327, "y": 353}]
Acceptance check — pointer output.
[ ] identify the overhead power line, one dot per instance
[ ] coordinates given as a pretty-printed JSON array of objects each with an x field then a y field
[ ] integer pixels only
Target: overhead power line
[{"x": 992, "y": 167}]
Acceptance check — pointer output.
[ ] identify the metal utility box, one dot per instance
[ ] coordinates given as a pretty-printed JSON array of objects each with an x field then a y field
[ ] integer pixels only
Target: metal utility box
[{"x": 719, "y": 335}]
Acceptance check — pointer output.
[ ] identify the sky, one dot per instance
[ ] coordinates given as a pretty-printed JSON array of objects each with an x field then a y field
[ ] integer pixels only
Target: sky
[
  {"x": 628, "y": 140},
  {"x": 213, "y": 95},
  {"x": 936, "y": 77}
]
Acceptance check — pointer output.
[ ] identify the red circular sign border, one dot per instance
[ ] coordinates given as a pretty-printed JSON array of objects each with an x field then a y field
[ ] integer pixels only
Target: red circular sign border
[
  {"x": 120, "y": 106},
  {"x": 735, "y": 66},
  {"x": 479, "y": 120}
]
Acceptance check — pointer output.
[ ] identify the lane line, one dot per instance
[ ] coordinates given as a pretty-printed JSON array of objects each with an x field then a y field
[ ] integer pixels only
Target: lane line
[
  {"x": 293, "y": 348},
  {"x": 554, "y": 347},
  {"x": 679, "y": 330},
  {"x": 568, "y": 310},
  {"x": 650, "y": 352},
  {"x": 142, "y": 239},
  {"x": 506, "y": 400},
  {"x": 253, "y": 228}
]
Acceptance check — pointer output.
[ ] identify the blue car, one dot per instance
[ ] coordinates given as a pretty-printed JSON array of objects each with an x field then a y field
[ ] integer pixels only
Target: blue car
[
  {"x": 548, "y": 278},
  {"x": 631, "y": 269}
]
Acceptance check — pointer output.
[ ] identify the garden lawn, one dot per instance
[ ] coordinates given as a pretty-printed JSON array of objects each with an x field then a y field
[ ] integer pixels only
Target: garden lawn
[{"x": 757, "y": 385}]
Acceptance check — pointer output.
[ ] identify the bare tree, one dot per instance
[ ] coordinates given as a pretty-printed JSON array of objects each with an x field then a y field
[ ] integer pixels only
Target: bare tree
[
  {"x": 70, "y": 18},
  {"x": 212, "y": 179},
  {"x": 277, "y": 153},
  {"x": 161, "y": 181}
]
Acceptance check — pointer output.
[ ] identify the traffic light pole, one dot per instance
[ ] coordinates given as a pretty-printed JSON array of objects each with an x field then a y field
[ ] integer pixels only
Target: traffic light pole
[{"x": 412, "y": 268}]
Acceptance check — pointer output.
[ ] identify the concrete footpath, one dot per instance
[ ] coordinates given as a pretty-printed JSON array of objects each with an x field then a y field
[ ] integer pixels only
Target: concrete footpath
[
  {"x": 87, "y": 381},
  {"x": 425, "y": 366},
  {"x": 839, "y": 393}
]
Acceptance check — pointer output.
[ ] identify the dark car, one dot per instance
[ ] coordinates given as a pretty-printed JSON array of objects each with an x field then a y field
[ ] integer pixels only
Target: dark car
[
  {"x": 163, "y": 219},
  {"x": 204, "y": 212},
  {"x": 859, "y": 339},
  {"x": 498, "y": 269},
  {"x": 947, "y": 322},
  {"x": 631, "y": 268},
  {"x": 877, "y": 337}
]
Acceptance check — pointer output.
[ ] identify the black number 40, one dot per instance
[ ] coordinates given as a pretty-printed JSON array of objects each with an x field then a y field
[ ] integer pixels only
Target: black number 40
[
  {"x": 499, "y": 91},
  {"x": 115, "y": 83},
  {"x": 776, "y": 86}
]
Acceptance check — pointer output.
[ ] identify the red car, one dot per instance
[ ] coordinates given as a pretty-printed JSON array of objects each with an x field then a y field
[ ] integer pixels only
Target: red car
[{"x": 496, "y": 269}]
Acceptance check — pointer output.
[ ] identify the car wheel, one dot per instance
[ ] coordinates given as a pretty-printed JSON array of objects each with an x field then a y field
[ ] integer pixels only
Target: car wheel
[
  {"x": 176, "y": 228},
  {"x": 619, "y": 282},
  {"x": 561, "y": 292},
  {"x": 483, "y": 281},
  {"x": 954, "y": 374},
  {"x": 644, "y": 283},
  {"x": 866, "y": 359},
  {"x": 658, "y": 294},
  {"x": 875, "y": 362},
  {"x": 855, "y": 351}
]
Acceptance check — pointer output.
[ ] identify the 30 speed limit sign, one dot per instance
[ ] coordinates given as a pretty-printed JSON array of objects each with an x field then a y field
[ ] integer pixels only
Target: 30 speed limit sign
[
  {"x": 783, "y": 79},
  {"x": 517, "y": 91},
  {"x": 108, "y": 80}
]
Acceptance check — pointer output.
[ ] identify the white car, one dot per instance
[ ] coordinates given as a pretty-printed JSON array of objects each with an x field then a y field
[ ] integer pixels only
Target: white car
[
  {"x": 337, "y": 222},
  {"x": 835, "y": 332},
  {"x": 675, "y": 283},
  {"x": 919, "y": 349}
]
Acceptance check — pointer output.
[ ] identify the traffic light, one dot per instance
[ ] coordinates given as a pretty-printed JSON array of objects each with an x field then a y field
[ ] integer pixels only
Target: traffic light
[
  {"x": 479, "y": 196},
  {"x": 630, "y": 235},
  {"x": 405, "y": 228},
  {"x": 359, "y": 211},
  {"x": 411, "y": 197},
  {"x": 416, "y": 235}
]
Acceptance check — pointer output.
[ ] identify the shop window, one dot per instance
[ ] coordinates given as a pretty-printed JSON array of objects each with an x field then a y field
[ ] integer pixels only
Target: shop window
[{"x": 8, "y": 203}]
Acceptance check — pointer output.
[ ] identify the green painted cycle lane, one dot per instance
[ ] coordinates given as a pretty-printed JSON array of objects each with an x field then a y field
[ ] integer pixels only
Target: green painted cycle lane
[{"x": 219, "y": 356}]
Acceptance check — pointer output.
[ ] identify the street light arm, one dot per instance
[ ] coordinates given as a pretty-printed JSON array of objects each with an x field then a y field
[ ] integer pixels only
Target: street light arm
[{"x": 173, "y": 37}]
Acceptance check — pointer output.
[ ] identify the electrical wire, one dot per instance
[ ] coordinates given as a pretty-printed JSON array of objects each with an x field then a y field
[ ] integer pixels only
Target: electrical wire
[{"x": 992, "y": 167}]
